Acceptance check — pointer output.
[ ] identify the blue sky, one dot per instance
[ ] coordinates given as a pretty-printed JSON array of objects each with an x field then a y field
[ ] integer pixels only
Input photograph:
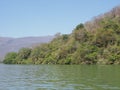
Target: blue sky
[{"x": 22, "y": 18}]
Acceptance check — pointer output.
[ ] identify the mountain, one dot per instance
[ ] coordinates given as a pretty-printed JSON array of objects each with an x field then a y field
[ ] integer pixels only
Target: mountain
[
  {"x": 94, "y": 42},
  {"x": 14, "y": 44}
]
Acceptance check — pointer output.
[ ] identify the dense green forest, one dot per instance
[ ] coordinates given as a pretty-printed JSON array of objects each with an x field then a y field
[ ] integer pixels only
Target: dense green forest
[{"x": 94, "y": 42}]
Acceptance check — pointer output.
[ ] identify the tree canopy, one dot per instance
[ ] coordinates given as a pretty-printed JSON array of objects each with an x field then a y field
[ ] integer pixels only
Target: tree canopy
[{"x": 95, "y": 42}]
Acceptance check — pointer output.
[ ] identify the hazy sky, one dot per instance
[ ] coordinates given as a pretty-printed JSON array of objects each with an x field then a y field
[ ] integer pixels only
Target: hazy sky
[{"x": 21, "y": 18}]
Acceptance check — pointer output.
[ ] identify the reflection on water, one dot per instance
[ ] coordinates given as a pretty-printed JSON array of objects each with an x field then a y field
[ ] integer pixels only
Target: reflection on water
[{"x": 59, "y": 77}]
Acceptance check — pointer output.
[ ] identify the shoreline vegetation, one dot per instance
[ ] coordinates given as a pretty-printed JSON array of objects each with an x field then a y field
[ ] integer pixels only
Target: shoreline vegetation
[{"x": 94, "y": 42}]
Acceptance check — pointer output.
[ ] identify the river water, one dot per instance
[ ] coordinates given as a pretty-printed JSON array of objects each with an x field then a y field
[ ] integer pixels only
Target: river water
[{"x": 59, "y": 77}]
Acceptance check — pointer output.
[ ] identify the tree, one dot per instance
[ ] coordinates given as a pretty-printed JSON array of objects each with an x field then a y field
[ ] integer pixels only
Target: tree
[
  {"x": 39, "y": 53},
  {"x": 10, "y": 58},
  {"x": 79, "y": 26},
  {"x": 65, "y": 37},
  {"x": 80, "y": 34},
  {"x": 104, "y": 38},
  {"x": 23, "y": 54}
]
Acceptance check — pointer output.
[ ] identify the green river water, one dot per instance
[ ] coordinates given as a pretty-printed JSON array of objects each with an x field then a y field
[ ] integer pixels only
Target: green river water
[{"x": 59, "y": 77}]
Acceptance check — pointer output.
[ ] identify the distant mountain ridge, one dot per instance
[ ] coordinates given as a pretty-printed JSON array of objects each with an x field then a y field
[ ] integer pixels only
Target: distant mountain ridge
[{"x": 8, "y": 44}]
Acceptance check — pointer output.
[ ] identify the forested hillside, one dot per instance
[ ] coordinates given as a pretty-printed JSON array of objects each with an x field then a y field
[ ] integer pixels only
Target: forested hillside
[
  {"x": 14, "y": 44},
  {"x": 94, "y": 42}
]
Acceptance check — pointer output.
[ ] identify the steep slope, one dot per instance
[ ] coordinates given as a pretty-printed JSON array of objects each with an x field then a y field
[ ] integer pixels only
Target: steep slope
[
  {"x": 14, "y": 44},
  {"x": 95, "y": 42}
]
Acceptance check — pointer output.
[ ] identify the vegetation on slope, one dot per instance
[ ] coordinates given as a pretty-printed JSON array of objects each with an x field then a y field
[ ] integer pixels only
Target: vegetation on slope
[{"x": 95, "y": 42}]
